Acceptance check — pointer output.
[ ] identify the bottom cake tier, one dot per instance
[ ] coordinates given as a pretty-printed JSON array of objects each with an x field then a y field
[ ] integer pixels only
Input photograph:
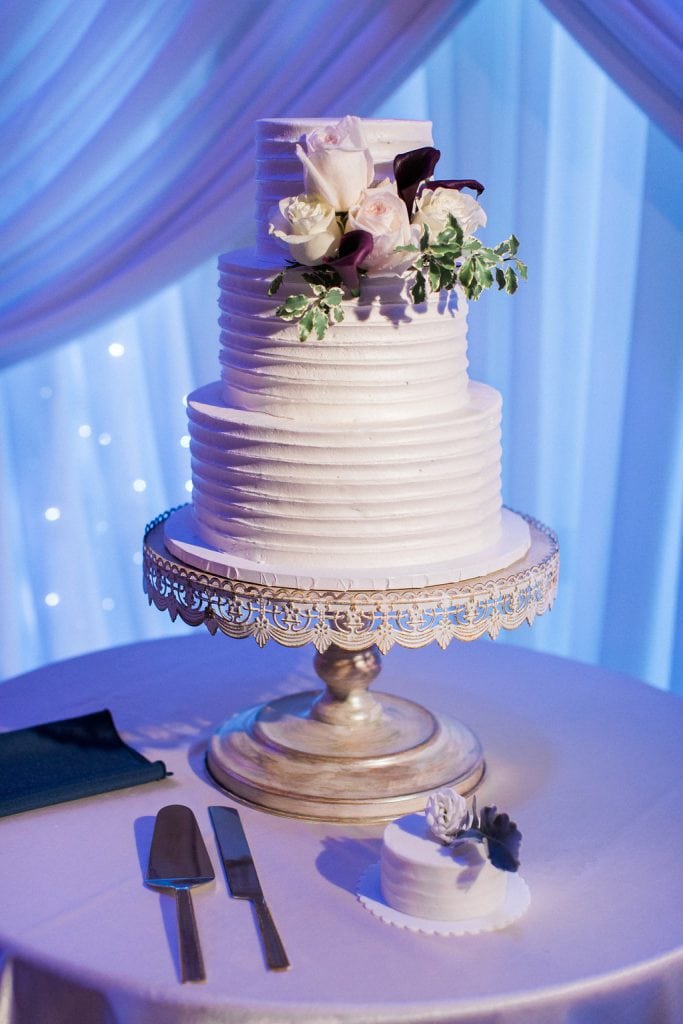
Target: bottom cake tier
[
  {"x": 183, "y": 542},
  {"x": 268, "y": 492}
]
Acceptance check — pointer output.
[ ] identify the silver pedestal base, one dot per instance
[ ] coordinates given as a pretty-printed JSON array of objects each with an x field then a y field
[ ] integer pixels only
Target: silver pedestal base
[{"x": 281, "y": 758}]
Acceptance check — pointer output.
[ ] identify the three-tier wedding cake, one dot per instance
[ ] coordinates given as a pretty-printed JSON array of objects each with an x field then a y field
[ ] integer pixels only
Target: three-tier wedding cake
[{"x": 344, "y": 445}]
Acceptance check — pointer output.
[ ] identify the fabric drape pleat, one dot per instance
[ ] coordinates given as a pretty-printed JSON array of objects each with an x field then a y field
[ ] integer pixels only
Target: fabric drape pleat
[
  {"x": 639, "y": 43},
  {"x": 127, "y": 130},
  {"x": 127, "y": 135}
]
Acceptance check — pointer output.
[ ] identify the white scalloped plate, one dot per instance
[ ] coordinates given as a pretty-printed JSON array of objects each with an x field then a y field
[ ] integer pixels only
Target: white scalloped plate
[{"x": 516, "y": 904}]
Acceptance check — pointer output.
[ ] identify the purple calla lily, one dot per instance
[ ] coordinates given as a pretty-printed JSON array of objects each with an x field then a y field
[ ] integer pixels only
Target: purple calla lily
[
  {"x": 410, "y": 169},
  {"x": 459, "y": 184},
  {"x": 354, "y": 247}
]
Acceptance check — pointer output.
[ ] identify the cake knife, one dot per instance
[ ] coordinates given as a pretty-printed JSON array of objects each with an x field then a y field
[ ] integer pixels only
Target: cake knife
[
  {"x": 178, "y": 860},
  {"x": 243, "y": 882}
]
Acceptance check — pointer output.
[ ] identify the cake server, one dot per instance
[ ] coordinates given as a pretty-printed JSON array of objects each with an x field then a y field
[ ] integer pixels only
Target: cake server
[
  {"x": 243, "y": 880},
  {"x": 178, "y": 860}
]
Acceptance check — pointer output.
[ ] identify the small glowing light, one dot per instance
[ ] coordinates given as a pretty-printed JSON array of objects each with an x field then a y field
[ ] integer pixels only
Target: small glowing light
[
  {"x": 139, "y": 485},
  {"x": 116, "y": 349},
  {"x": 102, "y": 526},
  {"x": 85, "y": 430},
  {"x": 107, "y": 604},
  {"x": 52, "y": 599},
  {"x": 45, "y": 392},
  {"x": 52, "y": 514},
  {"x": 184, "y": 399},
  {"x": 185, "y": 441},
  {"x": 104, "y": 439},
  {"x": 137, "y": 557},
  {"x": 188, "y": 485}
]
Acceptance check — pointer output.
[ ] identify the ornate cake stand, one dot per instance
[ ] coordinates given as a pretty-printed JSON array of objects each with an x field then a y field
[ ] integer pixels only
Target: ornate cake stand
[{"x": 344, "y": 753}]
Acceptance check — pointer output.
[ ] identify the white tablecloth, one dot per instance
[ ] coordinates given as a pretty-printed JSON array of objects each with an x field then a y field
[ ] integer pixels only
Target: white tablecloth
[{"x": 589, "y": 763}]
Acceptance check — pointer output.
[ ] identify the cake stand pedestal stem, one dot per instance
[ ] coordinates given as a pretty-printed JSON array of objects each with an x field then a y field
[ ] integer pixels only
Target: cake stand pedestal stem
[{"x": 347, "y": 676}]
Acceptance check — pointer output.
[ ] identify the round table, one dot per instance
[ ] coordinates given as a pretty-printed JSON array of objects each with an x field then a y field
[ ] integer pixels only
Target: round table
[{"x": 588, "y": 762}]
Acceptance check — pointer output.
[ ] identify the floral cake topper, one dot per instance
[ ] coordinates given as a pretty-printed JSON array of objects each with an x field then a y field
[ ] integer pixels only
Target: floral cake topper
[
  {"x": 346, "y": 225},
  {"x": 451, "y": 822}
]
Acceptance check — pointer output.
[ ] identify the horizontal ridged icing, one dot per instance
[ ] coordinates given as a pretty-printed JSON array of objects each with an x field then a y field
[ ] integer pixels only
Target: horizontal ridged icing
[
  {"x": 279, "y": 172},
  {"x": 369, "y": 367},
  {"x": 421, "y": 877},
  {"x": 310, "y": 494},
  {"x": 367, "y": 449}
]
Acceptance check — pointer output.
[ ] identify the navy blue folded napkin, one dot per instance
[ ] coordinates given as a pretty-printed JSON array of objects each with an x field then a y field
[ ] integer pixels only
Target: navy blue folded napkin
[{"x": 58, "y": 761}]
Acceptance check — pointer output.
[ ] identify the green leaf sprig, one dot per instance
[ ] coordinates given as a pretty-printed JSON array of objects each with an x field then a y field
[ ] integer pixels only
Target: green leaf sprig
[
  {"x": 454, "y": 259},
  {"x": 315, "y": 311}
]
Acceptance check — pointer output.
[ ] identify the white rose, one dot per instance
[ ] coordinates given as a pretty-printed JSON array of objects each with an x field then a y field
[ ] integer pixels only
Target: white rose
[
  {"x": 434, "y": 205},
  {"x": 309, "y": 227},
  {"x": 383, "y": 213},
  {"x": 446, "y": 813},
  {"x": 337, "y": 163}
]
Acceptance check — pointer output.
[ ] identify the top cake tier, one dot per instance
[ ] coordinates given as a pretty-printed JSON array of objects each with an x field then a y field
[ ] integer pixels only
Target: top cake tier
[{"x": 279, "y": 172}]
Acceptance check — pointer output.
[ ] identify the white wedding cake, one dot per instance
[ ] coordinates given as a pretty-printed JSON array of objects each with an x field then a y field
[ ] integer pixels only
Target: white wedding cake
[
  {"x": 424, "y": 878},
  {"x": 453, "y": 864},
  {"x": 363, "y": 454}
]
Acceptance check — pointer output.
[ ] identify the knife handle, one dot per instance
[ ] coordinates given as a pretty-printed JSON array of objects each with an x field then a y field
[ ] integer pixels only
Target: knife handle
[
  {"x": 276, "y": 958},
  {"x": 191, "y": 961}
]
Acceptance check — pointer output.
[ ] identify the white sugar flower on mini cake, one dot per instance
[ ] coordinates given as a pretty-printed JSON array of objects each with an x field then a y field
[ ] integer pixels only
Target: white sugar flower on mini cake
[
  {"x": 446, "y": 814},
  {"x": 450, "y": 821}
]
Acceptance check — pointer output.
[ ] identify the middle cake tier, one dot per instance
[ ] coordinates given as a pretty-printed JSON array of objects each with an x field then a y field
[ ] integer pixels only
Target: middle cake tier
[{"x": 389, "y": 360}]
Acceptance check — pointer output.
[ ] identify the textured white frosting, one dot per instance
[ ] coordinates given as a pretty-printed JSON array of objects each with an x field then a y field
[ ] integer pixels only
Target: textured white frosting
[
  {"x": 370, "y": 448},
  {"x": 421, "y": 877},
  {"x": 388, "y": 360},
  {"x": 279, "y": 171},
  {"x": 319, "y": 495}
]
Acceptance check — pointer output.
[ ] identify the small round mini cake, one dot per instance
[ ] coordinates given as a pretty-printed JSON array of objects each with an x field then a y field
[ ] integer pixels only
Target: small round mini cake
[{"x": 424, "y": 878}]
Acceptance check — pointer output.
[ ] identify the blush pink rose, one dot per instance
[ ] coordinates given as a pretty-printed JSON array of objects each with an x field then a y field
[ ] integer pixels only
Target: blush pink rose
[{"x": 382, "y": 213}]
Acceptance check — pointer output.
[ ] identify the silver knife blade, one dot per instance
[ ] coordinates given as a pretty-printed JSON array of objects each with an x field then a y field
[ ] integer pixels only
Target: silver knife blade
[
  {"x": 243, "y": 880},
  {"x": 178, "y": 859}
]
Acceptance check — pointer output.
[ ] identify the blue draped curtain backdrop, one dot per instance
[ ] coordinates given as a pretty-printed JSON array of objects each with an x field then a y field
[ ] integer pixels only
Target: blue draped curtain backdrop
[{"x": 127, "y": 164}]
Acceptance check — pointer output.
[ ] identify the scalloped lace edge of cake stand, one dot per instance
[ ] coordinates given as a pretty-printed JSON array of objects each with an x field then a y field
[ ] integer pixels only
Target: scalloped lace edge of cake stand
[{"x": 516, "y": 904}]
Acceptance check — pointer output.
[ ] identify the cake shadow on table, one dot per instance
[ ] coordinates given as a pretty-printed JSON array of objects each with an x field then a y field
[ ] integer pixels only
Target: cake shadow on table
[
  {"x": 343, "y": 859},
  {"x": 143, "y": 828}
]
